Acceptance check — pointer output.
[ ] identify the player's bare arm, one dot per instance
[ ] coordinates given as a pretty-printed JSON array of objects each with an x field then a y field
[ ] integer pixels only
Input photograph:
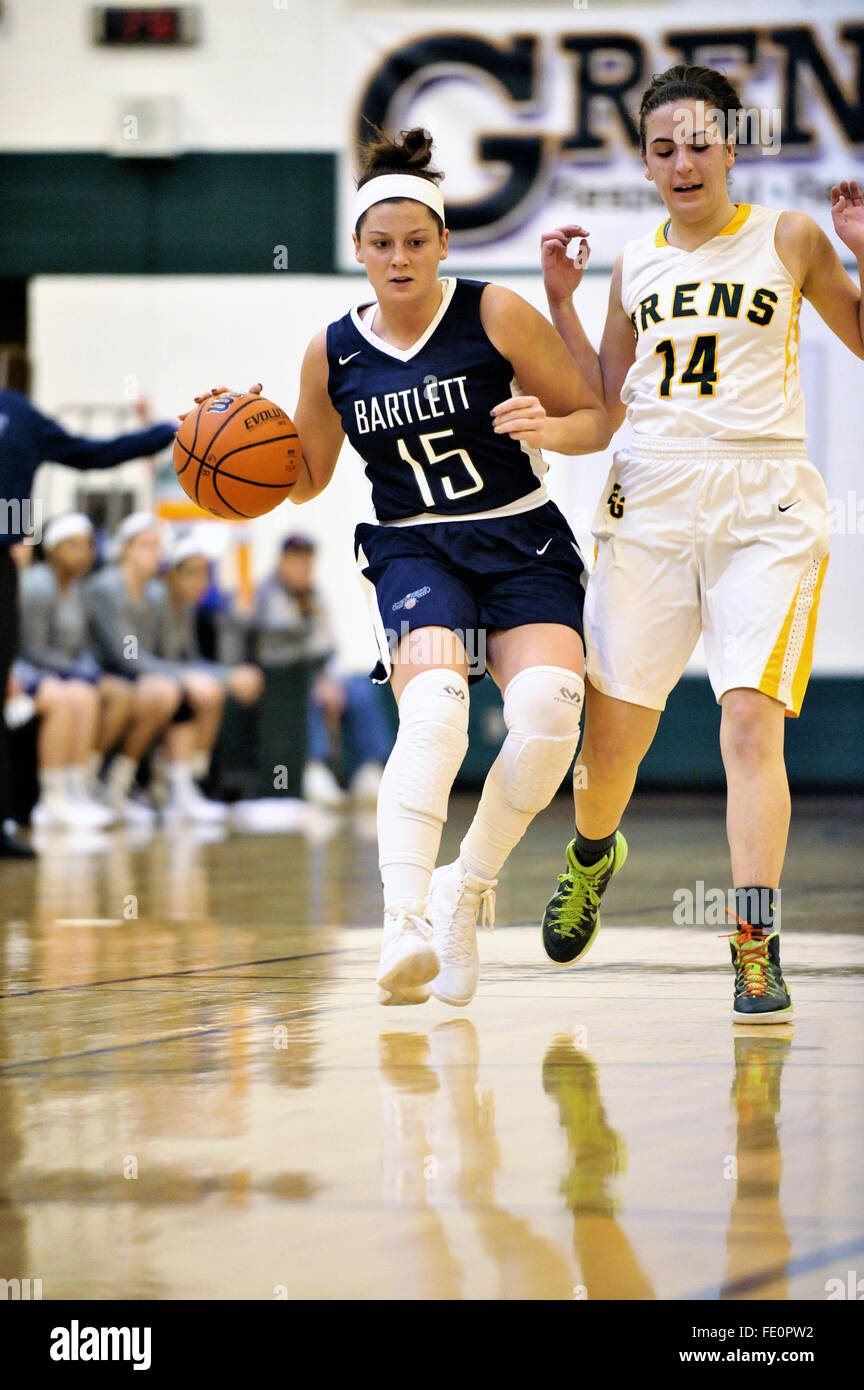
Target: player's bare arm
[
  {"x": 559, "y": 410},
  {"x": 562, "y": 276},
  {"x": 813, "y": 263},
  {"x": 317, "y": 422},
  {"x": 604, "y": 371},
  {"x": 617, "y": 349}
]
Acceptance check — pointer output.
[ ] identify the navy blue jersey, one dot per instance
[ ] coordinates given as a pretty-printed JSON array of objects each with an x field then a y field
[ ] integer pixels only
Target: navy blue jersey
[{"x": 420, "y": 417}]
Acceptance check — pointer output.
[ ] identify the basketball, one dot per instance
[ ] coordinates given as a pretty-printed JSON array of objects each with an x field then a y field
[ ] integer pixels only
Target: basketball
[{"x": 237, "y": 455}]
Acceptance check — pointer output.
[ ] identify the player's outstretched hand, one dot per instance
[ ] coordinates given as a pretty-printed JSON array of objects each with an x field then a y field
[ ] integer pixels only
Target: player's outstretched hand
[
  {"x": 523, "y": 418},
  {"x": 218, "y": 391},
  {"x": 847, "y": 213},
  {"x": 561, "y": 273}
]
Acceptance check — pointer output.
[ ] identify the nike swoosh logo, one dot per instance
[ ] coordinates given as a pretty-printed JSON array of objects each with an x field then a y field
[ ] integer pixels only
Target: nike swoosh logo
[
  {"x": 546, "y": 547},
  {"x": 788, "y": 505},
  {"x": 343, "y": 360}
]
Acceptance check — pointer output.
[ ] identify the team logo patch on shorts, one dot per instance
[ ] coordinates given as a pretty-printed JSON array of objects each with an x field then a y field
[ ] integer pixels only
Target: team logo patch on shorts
[
  {"x": 411, "y": 599},
  {"x": 615, "y": 501}
]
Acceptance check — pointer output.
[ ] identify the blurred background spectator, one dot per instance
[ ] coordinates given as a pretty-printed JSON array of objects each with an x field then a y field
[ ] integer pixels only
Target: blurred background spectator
[
  {"x": 27, "y": 439},
  {"x": 346, "y": 723}
]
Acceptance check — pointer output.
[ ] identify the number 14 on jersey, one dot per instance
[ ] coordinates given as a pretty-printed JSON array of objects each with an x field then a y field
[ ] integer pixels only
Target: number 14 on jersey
[{"x": 701, "y": 367}]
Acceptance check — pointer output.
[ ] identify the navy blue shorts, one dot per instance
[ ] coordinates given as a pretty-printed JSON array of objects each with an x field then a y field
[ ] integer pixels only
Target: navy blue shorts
[
  {"x": 31, "y": 677},
  {"x": 473, "y": 577}
]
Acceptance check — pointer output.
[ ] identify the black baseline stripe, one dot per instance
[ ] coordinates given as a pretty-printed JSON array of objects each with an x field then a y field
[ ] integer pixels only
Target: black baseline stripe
[
  {"x": 187, "y": 1035},
  {"x": 179, "y": 974}
]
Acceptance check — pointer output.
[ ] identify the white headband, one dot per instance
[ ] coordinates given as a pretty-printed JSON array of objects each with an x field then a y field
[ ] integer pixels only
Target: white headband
[
  {"x": 128, "y": 529},
  {"x": 62, "y": 528},
  {"x": 398, "y": 186},
  {"x": 185, "y": 547}
]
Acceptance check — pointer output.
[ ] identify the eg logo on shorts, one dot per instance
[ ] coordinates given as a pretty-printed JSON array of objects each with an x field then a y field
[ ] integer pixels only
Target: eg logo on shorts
[{"x": 616, "y": 502}]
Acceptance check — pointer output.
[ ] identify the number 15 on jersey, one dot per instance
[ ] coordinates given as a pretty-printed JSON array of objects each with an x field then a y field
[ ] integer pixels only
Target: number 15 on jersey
[{"x": 434, "y": 460}]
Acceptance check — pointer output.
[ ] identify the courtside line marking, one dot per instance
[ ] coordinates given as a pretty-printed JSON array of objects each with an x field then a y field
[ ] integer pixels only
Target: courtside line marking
[
  {"x": 802, "y": 1265},
  {"x": 178, "y": 974},
  {"x": 184, "y": 1035}
]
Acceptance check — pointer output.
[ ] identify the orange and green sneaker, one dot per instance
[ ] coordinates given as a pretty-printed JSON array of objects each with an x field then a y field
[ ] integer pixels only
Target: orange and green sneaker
[
  {"x": 761, "y": 993},
  {"x": 572, "y": 917}
]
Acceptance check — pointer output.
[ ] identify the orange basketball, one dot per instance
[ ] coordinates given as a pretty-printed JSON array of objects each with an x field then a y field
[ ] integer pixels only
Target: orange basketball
[{"x": 237, "y": 455}]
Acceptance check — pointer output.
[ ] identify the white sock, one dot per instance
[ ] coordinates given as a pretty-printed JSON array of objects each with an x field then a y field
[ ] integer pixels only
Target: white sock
[
  {"x": 94, "y": 762},
  {"x": 77, "y": 778},
  {"x": 415, "y": 786},
  {"x": 180, "y": 778},
  {"x": 52, "y": 784},
  {"x": 542, "y": 710},
  {"x": 121, "y": 775},
  {"x": 201, "y": 760}
]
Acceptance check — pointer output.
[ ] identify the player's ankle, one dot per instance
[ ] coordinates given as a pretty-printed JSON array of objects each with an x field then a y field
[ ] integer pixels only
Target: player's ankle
[{"x": 590, "y": 852}]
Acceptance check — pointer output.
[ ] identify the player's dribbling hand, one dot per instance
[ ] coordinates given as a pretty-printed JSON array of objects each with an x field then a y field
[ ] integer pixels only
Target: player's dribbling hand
[
  {"x": 218, "y": 391},
  {"x": 847, "y": 213},
  {"x": 561, "y": 273},
  {"x": 523, "y": 418}
]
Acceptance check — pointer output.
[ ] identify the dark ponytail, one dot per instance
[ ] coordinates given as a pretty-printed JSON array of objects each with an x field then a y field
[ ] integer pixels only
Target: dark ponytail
[{"x": 409, "y": 152}]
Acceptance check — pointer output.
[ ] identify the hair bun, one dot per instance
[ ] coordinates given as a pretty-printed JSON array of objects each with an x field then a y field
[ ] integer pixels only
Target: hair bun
[{"x": 409, "y": 152}]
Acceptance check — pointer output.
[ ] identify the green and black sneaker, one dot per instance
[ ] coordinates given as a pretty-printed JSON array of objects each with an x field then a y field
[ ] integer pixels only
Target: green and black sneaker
[
  {"x": 761, "y": 994},
  {"x": 571, "y": 919}
]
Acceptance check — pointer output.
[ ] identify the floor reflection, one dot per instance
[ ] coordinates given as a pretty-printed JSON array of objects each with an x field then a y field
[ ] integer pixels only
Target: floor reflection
[
  {"x": 757, "y": 1244},
  {"x": 440, "y": 1155},
  {"x": 596, "y": 1155}
]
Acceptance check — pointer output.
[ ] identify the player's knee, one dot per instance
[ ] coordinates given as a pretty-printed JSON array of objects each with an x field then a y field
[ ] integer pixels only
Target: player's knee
[
  {"x": 159, "y": 695},
  {"x": 542, "y": 711},
  {"x": 246, "y": 684},
  {"x": 607, "y": 753},
  {"x": 49, "y": 695},
  {"x": 117, "y": 692},
  {"x": 432, "y": 740},
  {"x": 203, "y": 691},
  {"x": 81, "y": 696},
  {"x": 751, "y": 729},
  {"x": 545, "y": 701}
]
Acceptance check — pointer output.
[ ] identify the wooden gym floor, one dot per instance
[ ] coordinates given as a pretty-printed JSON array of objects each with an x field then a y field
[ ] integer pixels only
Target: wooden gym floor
[{"x": 203, "y": 1100}]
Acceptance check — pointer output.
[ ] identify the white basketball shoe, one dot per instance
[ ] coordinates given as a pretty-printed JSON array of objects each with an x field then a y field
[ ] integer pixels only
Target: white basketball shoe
[
  {"x": 408, "y": 960},
  {"x": 456, "y": 900}
]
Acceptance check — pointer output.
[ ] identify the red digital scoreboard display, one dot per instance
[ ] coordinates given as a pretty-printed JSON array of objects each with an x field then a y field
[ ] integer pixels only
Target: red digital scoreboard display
[{"x": 138, "y": 25}]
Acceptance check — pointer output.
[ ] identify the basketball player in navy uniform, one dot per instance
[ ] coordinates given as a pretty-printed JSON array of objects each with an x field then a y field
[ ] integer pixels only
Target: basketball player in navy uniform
[{"x": 448, "y": 389}]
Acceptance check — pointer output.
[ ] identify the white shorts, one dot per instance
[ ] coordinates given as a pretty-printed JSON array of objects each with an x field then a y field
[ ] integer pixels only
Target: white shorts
[{"x": 724, "y": 538}]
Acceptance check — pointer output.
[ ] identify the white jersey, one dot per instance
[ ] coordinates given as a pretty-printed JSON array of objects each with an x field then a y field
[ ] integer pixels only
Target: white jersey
[{"x": 717, "y": 335}]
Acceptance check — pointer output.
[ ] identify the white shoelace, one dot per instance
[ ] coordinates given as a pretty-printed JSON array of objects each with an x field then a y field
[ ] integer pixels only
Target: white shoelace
[
  {"x": 405, "y": 921},
  {"x": 457, "y": 939}
]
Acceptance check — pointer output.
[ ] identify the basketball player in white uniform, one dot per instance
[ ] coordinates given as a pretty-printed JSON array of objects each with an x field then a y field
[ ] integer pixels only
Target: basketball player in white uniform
[{"x": 713, "y": 521}]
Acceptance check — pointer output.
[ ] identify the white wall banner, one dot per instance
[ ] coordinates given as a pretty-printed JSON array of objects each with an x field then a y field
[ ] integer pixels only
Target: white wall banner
[{"x": 534, "y": 111}]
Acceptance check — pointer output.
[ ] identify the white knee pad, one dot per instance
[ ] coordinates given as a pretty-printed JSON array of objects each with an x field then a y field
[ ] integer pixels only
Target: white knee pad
[
  {"x": 432, "y": 741},
  {"x": 542, "y": 711}
]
